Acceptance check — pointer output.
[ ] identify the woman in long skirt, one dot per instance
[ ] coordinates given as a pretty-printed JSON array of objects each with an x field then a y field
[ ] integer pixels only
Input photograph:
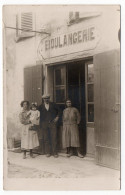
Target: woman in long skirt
[
  {"x": 29, "y": 138},
  {"x": 70, "y": 135}
]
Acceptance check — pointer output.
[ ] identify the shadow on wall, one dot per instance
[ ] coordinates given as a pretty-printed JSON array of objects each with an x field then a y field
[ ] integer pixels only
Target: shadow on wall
[{"x": 13, "y": 133}]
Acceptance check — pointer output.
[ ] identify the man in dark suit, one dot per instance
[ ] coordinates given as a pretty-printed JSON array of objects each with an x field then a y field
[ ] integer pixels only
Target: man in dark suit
[{"x": 49, "y": 115}]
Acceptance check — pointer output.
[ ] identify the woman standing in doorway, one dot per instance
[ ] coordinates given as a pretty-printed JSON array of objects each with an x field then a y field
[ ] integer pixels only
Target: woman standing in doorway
[
  {"x": 29, "y": 138},
  {"x": 70, "y": 135}
]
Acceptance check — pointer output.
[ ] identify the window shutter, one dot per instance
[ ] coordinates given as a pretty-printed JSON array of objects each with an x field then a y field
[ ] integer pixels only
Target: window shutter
[
  {"x": 25, "y": 24},
  {"x": 33, "y": 86},
  {"x": 73, "y": 17}
]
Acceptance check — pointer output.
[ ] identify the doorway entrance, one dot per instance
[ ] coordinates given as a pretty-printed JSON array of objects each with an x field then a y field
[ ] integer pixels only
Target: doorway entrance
[
  {"x": 76, "y": 92},
  {"x": 74, "y": 80}
]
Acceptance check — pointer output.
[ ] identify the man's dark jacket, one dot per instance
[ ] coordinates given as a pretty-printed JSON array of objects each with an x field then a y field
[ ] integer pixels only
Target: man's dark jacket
[{"x": 51, "y": 114}]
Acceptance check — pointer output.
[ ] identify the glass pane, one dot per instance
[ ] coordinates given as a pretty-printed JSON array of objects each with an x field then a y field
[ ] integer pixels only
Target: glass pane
[
  {"x": 60, "y": 76},
  {"x": 90, "y": 73},
  {"x": 90, "y": 92},
  {"x": 90, "y": 113},
  {"x": 60, "y": 95}
]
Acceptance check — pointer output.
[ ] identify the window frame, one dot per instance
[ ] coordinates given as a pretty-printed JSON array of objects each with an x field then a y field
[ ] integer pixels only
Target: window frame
[
  {"x": 89, "y": 124},
  {"x": 59, "y": 86}
]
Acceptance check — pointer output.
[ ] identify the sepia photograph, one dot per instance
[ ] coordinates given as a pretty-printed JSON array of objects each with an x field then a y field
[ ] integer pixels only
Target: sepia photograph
[{"x": 62, "y": 97}]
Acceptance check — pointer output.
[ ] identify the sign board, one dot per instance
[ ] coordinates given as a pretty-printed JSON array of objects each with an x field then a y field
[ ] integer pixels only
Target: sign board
[{"x": 70, "y": 42}]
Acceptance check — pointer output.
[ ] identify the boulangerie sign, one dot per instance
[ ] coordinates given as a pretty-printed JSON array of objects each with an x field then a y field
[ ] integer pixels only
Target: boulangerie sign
[{"x": 85, "y": 38}]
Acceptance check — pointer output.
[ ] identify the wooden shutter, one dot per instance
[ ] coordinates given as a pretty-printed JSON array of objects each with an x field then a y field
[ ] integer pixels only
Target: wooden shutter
[
  {"x": 33, "y": 84},
  {"x": 25, "y": 21},
  {"x": 107, "y": 108},
  {"x": 28, "y": 84}
]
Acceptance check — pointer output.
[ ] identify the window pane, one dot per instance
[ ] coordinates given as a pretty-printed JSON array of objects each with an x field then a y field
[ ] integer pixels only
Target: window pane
[
  {"x": 90, "y": 113},
  {"x": 60, "y": 95},
  {"x": 90, "y": 73},
  {"x": 60, "y": 76},
  {"x": 90, "y": 92}
]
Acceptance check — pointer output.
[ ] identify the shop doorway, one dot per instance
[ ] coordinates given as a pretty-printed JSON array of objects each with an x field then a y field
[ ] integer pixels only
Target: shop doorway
[
  {"x": 75, "y": 80},
  {"x": 76, "y": 92}
]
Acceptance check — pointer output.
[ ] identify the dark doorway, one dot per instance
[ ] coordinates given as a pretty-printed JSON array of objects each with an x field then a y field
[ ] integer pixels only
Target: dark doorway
[{"x": 76, "y": 92}]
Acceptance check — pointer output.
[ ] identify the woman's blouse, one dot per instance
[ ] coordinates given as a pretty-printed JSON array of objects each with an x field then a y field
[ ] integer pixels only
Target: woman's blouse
[
  {"x": 24, "y": 119},
  {"x": 71, "y": 116}
]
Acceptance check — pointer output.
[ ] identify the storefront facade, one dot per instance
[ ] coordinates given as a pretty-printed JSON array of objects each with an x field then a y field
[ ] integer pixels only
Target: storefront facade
[
  {"x": 81, "y": 61},
  {"x": 77, "y": 66}
]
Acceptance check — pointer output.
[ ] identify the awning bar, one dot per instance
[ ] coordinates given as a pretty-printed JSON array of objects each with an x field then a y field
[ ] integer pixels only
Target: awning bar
[{"x": 27, "y": 30}]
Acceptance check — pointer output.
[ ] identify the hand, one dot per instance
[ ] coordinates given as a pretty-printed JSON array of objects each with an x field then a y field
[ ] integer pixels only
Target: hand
[
  {"x": 56, "y": 119},
  {"x": 29, "y": 114},
  {"x": 78, "y": 122}
]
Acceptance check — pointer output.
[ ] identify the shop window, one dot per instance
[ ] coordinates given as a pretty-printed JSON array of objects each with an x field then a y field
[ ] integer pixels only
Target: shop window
[
  {"x": 60, "y": 76},
  {"x": 60, "y": 84},
  {"x": 90, "y": 112},
  {"x": 60, "y": 95},
  {"x": 90, "y": 92},
  {"x": 90, "y": 73}
]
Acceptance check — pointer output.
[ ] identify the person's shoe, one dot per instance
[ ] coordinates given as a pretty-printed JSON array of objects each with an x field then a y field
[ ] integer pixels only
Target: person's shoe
[
  {"x": 80, "y": 155},
  {"x": 55, "y": 155},
  {"x": 68, "y": 155},
  {"x": 24, "y": 156},
  {"x": 48, "y": 155},
  {"x": 31, "y": 155}
]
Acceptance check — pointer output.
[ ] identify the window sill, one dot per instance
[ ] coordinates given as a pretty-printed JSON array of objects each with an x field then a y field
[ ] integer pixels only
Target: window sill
[{"x": 90, "y": 124}]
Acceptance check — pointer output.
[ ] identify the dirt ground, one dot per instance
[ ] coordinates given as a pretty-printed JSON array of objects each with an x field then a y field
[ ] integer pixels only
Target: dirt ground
[
  {"x": 84, "y": 169},
  {"x": 16, "y": 171},
  {"x": 61, "y": 167}
]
